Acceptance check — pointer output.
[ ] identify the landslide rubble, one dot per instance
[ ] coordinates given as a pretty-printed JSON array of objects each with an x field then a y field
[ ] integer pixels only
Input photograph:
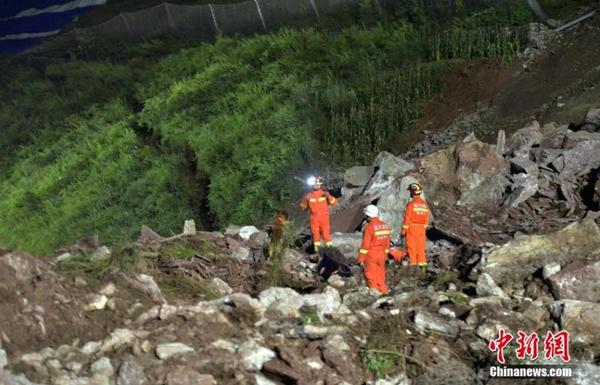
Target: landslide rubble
[{"x": 514, "y": 244}]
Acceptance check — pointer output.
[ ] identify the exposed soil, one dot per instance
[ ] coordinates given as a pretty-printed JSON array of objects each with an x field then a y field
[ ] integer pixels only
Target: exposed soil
[{"x": 561, "y": 85}]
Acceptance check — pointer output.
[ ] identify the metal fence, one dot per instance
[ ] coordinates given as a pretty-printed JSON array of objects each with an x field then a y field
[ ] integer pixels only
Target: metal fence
[{"x": 205, "y": 22}]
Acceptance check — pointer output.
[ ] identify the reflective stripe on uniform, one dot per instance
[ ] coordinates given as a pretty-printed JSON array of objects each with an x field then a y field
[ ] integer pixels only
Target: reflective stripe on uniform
[
  {"x": 383, "y": 232},
  {"x": 332, "y": 200},
  {"x": 418, "y": 209},
  {"x": 322, "y": 199},
  {"x": 317, "y": 243},
  {"x": 312, "y": 200},
  {"x": 405, "y": 226},
  {"x": 363, "y": 251},
  {"x": 328, "y": 244},
  {"x": 387, "y": 251}
]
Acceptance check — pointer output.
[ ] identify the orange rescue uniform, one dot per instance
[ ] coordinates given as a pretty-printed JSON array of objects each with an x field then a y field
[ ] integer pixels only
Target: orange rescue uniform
[
  {"x": 374, "y": 253},
  {"x": 416, "y": 220},
  {"x": 318, "y": 203}
]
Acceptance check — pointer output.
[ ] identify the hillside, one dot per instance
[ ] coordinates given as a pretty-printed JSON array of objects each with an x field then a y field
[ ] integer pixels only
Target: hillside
[{"x": 117, "y": 136}]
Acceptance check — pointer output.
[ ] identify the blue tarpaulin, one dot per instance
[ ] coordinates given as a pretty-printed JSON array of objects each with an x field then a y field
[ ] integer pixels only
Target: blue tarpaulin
[
  {"x": 24, "y": 22},
  {"x": 12, "y": 7}
]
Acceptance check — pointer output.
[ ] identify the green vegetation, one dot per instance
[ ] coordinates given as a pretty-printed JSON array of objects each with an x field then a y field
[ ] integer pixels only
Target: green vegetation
[
  {"x": 155, "y": 134},
  {"x": 123, "y": 258},
  {"x": 378, "y": 363}
]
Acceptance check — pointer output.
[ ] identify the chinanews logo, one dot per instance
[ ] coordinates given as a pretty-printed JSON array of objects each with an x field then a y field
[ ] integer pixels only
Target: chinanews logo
[{"x": 555, "y": 346}]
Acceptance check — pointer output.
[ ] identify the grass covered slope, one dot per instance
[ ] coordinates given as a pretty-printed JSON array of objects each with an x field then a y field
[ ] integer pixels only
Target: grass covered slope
[{"x": 155, "y": 134}]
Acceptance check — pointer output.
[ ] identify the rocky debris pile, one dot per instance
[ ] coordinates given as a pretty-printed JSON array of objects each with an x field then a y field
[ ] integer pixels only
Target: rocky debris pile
[
  {"x": 213, "y": 308},
  {"x": 537, "y": 180}
]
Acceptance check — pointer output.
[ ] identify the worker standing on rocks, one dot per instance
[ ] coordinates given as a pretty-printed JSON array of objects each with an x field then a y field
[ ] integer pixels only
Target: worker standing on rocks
[
  {"x": 318, "y": 202},
  {"x": 416, "y": 220},
  {"x": 373, "y": 252}
]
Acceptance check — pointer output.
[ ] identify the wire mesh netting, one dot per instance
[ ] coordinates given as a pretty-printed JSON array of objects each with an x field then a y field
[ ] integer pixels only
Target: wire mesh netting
[
  {"x": 193, "y": 22},
  {"x": 278, "y": 13},
  {"x": 204, "y": 22},
  {"x": 242, "y": 18},
  {"x": 148, "y": 23}
]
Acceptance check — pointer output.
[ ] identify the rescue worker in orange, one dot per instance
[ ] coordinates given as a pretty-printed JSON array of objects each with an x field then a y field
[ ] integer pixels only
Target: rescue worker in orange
[
  {"x": 318, "y": 202},
  {"x": 373, "y": 252},
  {"x": 416, "y": 220}
]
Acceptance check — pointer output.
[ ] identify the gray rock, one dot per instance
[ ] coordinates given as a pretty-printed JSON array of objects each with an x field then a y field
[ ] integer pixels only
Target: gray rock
[
  {"x": 593, "y": 117},
  {"x": 586, "y": 374},
  {"x": 491, "y": 191},
  {"x": 347, "y": 243},
  {"x": 580, "y": 318},
  {"x": 501, "y": 143},
  {"x": 527, "y": 136},
  {"x": 3, "y": 359},
  {"x": 91, "y": 347},
  {"x": 108, "y": 290},
  {"x": 524, "y": 165},
  {"x": 189, "y": 227},
  {"x": 389, "y": 169},
  {"x": 245, "y": 305},
  {"x": 457, "y": 173},
  {"x": 579, "y": 160},
  {"x": 338, "y": 355},
  {"x": 103, "y": 366},
  {"x": 361, "y": 298},
  {"x": 327, "y": 302},
  {"x": 222, "y": 287},
  {"x": 246, "y": 231},
  {"x": 24, "y": 270},
  {"x": 253, "y": 356},
  {"x": 315, "y": 332},
  {"x": 282, "y": 300},
  {"x": 185, "y": 375},
  {"x": 545, "y": 156},
  {"x": 358, "y": 176},
  {"x": 242, "y": 254},
  {"x": 577, "y": 281},
  {"x": 103, "y": 253},
  {"x": 524, "y": 187},
  {"x": 261, "y": 238},
  {"x": 427, "y": 322},
  {"x": 130, "y": 373},
  {"x": 232, "y": 230},
  {"x": 550, "y": 269},
  {"x": 168, "y": 350},
  {"x": 117, "y": 339},
  {"x": 151, "y": 288},
  {"x": 400, "y": 379},
  {"x": 520, "y": 258},
  {"x": 96, "y": 302},
  {"x": 487, "y": 287}
]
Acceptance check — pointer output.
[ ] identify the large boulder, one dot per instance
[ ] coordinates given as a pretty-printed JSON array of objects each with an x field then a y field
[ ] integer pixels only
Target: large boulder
[
  {"x": 526, "y": 137},
  {"x": 347, "y": 243},
  {"x": 389, "y": 168},
  {"x": 593, "y": 117},
  {"x": 358, "y": 176},
  {"x": 516, "y": 260},
  {"x": 580, "y": 318},
  {"x": 581, "y": 156},
  {"x": 467, "y": 173},
  {"x": 577, "y": 281}
]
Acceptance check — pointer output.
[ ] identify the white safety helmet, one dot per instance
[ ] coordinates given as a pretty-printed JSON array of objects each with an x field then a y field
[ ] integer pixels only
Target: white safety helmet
[{"x": 371, "y": 211}]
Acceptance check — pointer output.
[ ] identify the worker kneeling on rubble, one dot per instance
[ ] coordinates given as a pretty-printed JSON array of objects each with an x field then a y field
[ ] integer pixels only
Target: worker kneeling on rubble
[{"x": 374, "y": 250}]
